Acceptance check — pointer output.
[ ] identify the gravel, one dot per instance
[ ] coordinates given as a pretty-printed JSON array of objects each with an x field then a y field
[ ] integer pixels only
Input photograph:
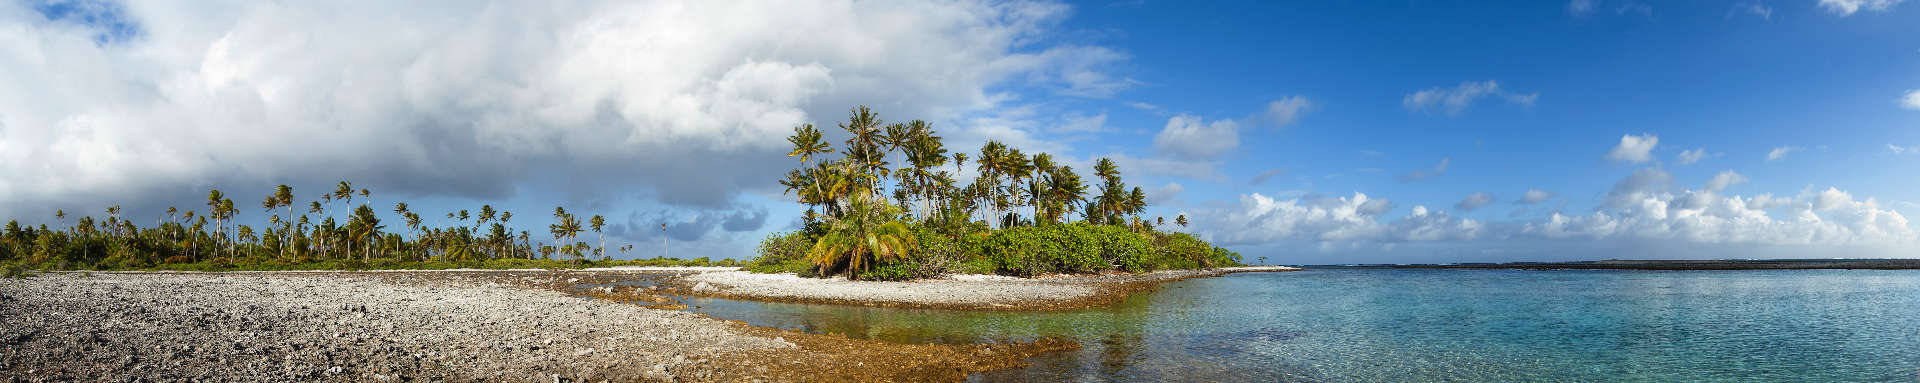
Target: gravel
[{"x": 225, "y": 327}]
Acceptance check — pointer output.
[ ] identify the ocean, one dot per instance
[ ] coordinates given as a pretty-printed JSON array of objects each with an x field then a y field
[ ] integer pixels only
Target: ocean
[{"x": 1372, "y": 325}]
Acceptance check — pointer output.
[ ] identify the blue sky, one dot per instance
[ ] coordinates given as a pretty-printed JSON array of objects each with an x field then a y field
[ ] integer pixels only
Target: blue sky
[{"x": 1311, "y": 132}]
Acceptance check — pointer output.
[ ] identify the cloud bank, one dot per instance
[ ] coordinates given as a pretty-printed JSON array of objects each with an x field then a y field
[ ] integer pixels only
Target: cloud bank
[{"x": 685, "y": 102}]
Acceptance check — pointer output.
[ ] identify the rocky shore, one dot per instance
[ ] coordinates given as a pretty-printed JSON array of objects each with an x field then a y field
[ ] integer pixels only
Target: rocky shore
[
  {"x": 959, "y": 292},
  {"x": 474, "y": 326}
]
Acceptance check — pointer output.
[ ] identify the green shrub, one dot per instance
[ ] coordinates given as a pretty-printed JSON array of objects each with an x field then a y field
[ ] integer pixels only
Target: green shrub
[
  {"x": 780, "y": 251},
  {"x": 896, "y": 271}
]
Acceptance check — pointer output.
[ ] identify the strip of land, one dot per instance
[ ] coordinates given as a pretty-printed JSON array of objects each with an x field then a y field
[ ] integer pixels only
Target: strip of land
[
  {"x": 1685, "y": 264},
  {"x": 460, "y": 326},
  {"x": 955, "y": 292}
]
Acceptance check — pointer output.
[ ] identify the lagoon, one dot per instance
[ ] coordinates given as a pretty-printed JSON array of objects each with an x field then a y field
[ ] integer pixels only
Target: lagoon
[{"x": 1440, "y": 325}]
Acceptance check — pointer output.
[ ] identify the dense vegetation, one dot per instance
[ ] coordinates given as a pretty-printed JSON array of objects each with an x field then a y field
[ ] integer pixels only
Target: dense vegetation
[
  {"x": 1021, "y": 215},
  {"x": 293, "y": 240}
]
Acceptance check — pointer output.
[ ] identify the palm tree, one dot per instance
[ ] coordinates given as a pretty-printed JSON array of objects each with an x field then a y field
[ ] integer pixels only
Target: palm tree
[
  {"x": 226, "y": 213},
  {"x": 866, "y": 234},
  {"x": 599, "y": 222},
  {"x": 364, "y": 194},
  {"x": 865, "y": 149},
  {"x": 213, "y": 208},
  {"x": 1136, "y": 201},
  {"x": 344, "y": 192},
  {"x": 992, "y": 161},
  {"x": 806, "y": 143},
  {"x": 363, "y": 225},
  {"x": 113, "y": 217},
  {"x": 1180, "y": 220},
  {"x": 506, "y": 219},
  {"x": 283, "y": 196}
]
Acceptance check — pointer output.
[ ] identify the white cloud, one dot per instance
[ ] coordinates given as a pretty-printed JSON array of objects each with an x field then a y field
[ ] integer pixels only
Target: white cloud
[
  {"x": 1262, "y": 219},
  {"x": 1474, "y": 201},
  {"x": 1848, "y": 7},
  {"x": 1634, "y": 149},
  {"x": 1456, "y": 100},
  {"x": 1284, "y": 111},
  {"x": 1084, "y": 124},
  {"x": 1143, "y": 106},
  {"x": 1721, "y": 181},
  {"x": 1688, "y": 157},
  {"x": 1643, "y": 207},
  {"x": 1780, "y": 152},
  {"x": 1912, "y": 100},
  {"x": 687, "y": 100},
  {"x": 1752, "y": 8},
  {"x": 1165, "y": 193},
  {"x": 1534, "y": 196},
  {"x": 1207, "y": 170},
  {"x": 1897, "y": 149},
  {"x": 1190, "y": 137},
  {"x": 1649, "y": 211}
]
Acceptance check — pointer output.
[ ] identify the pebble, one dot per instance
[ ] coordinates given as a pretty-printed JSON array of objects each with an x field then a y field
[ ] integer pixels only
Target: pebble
[{"x": 267, "y": 327}]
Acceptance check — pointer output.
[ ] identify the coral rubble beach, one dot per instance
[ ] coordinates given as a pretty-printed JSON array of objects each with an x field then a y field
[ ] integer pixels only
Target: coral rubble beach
[
  {"x": 959, "y": 292},
  {"x": 462, "y": 326},
  {"x": 517, "y": 325}
]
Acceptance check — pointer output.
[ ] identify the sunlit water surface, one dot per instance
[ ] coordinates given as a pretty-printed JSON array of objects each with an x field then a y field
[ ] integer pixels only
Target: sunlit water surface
[{"x": 1442, "y": 325}]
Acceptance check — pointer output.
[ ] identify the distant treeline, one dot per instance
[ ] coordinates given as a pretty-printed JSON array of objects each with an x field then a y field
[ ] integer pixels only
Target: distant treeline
[{"x": 307, "y": 238}]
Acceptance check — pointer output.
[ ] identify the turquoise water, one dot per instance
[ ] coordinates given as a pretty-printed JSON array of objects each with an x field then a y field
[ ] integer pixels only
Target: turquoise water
[{"x": 1443, "y": 325}]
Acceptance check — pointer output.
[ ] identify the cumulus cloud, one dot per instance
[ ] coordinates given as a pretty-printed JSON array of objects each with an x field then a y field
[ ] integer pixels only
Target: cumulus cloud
[
  {"x": 1688, "y": 157},
  {"x": 1645, "y": 206},
  {"x": 1190, "y": 137},
  {"x": 1652, "y": 212},
  {"x": 1262, "y": 219},
  {"x": 1266, "y": 175},
  {"x": 683, "y": 101},
  {"x": 1284, "y": 111},
  {"x": 1721, "y": 181},
  {"x": 1780, "y": 152},
  {"x": 1898, "y": 150},
  {"x": 1912, "y": 100},
  {"x": 1456, "y": 100},
  {"x": 1534, "y": 196},
  {"x": 1634, "y": 149},
  {"x": 1474, "y": 201},
  {"x": 1848, "y": 7}
]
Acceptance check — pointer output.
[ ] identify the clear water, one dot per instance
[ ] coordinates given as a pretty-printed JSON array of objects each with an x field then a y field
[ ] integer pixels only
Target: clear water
[{"x": 1443, "y": 325}]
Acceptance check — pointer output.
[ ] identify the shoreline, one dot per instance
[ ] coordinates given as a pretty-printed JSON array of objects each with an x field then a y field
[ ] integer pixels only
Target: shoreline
[
  {"x": 952, "y": 292},
  {"x": 481, "y": 326},
  {"x": 1691, "y": 264},
  {"x": 496, "y": 325}
]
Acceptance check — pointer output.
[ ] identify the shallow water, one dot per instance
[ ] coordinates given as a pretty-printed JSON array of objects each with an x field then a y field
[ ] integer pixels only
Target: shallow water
[{"x": 1442, "y": 325}]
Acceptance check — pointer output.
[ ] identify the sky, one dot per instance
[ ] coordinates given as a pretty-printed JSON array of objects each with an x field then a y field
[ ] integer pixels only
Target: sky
[{"x": 1301, "y": 132}]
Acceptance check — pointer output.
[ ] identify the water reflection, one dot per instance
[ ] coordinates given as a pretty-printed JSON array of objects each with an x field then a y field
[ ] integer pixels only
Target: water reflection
[{"x": 1431, "y": 325}]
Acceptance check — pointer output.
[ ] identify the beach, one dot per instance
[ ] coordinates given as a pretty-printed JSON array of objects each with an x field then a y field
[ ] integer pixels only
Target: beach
[
  {"x": 512, "y": 325},
  {"x": 392, "y": 326}
]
